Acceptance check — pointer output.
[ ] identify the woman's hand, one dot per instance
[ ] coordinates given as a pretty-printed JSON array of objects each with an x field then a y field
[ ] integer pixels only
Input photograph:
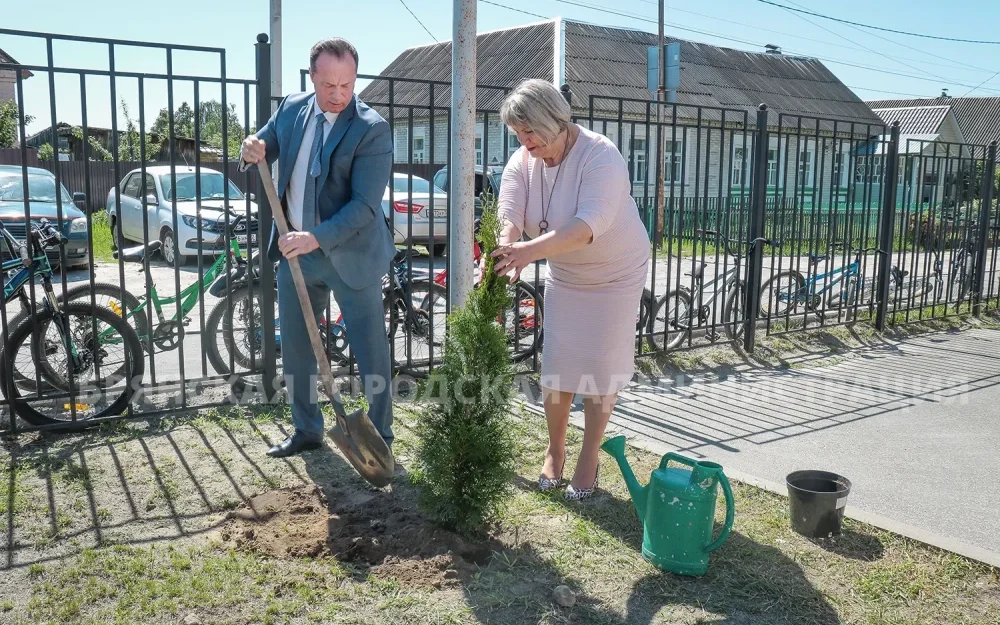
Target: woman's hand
[{"x": 514, "y": 257}]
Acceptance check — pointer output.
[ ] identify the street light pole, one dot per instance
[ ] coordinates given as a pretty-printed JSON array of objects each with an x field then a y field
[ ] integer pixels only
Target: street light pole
[
  {"x": 276, "y": 48},
  {"x": 463, "y": 157}
]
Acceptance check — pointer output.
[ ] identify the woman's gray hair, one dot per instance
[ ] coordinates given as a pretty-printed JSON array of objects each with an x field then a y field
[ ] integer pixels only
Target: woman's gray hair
[{"x": 538, "y": 105}]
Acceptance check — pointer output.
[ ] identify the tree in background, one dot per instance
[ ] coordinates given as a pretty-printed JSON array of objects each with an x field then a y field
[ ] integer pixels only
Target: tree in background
[
  {"x": 9, "y": 130},
  {"x": 210, "y": 120},
  {"x": 131, "y": 147}
]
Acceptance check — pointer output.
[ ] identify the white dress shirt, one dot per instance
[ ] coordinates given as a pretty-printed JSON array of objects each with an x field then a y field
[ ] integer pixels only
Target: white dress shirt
[{"x": 297, "y": 182}]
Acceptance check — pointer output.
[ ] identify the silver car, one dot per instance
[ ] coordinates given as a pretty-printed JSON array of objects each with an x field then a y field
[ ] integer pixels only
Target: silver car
[
  {"x": 408, "y": 203},
  {"x": 159, "y": 204}
]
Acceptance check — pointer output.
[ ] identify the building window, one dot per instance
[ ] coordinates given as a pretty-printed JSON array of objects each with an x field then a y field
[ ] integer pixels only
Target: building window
[
  {"x": 418, "y": 150},
  {"x": 807, "y": 156},
  {"x": 672, "y": 161},
  {"x": 479, "y": 150},
  {"x": 840, "y": 167},
  {"x": 639, "y": 160},
  {"x": 739, "y": 161},
  {"x": 512, "y": 143}
]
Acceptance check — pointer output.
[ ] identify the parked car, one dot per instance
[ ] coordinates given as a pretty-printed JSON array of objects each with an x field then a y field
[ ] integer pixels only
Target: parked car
[
  {"x": 403, "y": 205},
  {"x": 42, "y": 203},
  {"x": 487, "y": 181},
  {"x": 159, "y": 202}
]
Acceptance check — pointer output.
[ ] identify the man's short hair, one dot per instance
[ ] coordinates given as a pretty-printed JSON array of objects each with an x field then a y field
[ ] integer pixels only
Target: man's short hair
[{"x": 336, "y": 46}]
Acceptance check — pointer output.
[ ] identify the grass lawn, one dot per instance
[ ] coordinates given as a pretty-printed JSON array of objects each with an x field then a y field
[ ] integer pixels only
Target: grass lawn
[
  {"x": 101, "y": 232},
  {"x": 149, "y": 523}
]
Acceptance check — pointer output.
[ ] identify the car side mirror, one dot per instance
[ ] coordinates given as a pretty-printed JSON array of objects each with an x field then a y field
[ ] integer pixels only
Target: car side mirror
[
  {"x": 80, "y": 198},
  {"x": 151, "y": 200}
]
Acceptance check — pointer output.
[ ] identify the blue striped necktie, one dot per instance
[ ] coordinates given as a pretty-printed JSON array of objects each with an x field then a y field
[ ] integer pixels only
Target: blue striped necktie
[{"x": 309, "y": 207}]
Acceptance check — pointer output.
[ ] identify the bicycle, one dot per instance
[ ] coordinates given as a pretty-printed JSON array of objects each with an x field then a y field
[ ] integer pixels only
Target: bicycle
[
  {"x": 67, "y": 365},
  {"x": 674, "y": 318},
  {"x": 166, "y": 334},
  {"x": 783, "y": 293}
]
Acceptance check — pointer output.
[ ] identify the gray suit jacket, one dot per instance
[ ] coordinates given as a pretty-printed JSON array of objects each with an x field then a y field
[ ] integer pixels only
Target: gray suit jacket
[{"x": 356, "y": 166}]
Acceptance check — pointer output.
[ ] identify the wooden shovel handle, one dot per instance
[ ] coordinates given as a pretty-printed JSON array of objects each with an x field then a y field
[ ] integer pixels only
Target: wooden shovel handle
[{"x": 326, "y": 373}]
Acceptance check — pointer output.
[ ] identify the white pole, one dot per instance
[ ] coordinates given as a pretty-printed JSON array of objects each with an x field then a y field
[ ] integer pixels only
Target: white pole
[
  {"x": 463, "y": 156},
  {"x": 276, "y": 49}
]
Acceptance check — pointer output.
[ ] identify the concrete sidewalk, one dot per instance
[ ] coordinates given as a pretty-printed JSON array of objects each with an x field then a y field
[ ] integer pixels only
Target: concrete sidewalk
[{"x": 914, "y": 425}]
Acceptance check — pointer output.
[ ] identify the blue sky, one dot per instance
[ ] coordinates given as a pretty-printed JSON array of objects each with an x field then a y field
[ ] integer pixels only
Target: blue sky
[{"x": 381, "y": 29}]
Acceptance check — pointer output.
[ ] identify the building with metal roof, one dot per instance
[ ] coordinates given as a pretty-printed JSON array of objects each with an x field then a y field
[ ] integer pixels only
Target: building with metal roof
[
  {"x": 977, "y": 117},
  {"x": 815, "y": 119}
]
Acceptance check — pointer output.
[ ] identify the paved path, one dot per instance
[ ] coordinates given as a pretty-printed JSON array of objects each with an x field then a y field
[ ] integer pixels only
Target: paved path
[{"x": 915, "y": 426}]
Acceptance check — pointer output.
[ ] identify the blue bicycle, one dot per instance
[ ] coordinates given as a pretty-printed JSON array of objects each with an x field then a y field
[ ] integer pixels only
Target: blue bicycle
[
  {"x": 58, "y": 365},
  {"x": 789, "y": 292}
]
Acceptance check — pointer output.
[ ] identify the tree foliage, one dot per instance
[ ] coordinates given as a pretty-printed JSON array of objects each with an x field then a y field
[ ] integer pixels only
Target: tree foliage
[
  {"x": 9, "y": 127},
  {"x": 210, "y": 125},
  {"x": 466, "y": 448}
]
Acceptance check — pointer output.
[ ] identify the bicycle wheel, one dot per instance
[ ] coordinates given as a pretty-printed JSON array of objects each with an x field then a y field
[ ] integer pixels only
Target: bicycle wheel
[
  {"x": 417, "y": 327},
  {"x": 110, "y": 296},
  {"x": 522, "y": 320},
  {"x": 781, "y": 294},
  {"x": 645, "y": 310},
  {"x": 671, "y": 321},
  {"x": 732, "y": 314},
  {"x": 101, "y": 384}
]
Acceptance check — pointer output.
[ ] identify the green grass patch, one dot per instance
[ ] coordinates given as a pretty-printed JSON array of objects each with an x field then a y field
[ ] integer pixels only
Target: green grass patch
[{"x": 100, "y": 229}]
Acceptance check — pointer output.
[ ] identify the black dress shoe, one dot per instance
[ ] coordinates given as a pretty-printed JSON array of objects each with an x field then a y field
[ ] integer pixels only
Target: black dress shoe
[{"x": 294, "y": 444}]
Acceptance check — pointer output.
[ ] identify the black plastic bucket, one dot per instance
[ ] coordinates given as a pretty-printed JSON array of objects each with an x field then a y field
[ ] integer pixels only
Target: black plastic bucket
[{"x": 816, "y": 502}]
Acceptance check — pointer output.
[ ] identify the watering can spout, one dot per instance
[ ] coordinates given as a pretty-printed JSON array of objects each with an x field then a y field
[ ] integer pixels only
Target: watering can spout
[{"x": 616, "y": 448}]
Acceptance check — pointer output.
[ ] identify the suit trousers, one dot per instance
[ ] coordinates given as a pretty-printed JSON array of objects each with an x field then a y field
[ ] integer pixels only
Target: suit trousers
[{"x": 364, "y": 319}]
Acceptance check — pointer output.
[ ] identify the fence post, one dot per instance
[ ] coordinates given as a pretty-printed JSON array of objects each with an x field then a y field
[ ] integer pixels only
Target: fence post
[
  {"x": 265, "y": 219},
  {"x": 886, "y": 227},
  {"x": 989, "y": 171},
  {"x": 755, "y": 258}
]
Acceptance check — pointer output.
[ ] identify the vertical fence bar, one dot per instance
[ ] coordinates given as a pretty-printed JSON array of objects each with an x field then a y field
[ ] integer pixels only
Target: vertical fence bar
[
  {"x": 888, "y": 221},
  {"x": 265, "y": 218},
  {"x": 984, "y": 228},
  {"x": 755, "y": 258}
]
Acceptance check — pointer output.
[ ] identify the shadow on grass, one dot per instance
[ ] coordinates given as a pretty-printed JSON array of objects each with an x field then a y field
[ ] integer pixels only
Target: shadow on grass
[{"x": 747, "y": 582}]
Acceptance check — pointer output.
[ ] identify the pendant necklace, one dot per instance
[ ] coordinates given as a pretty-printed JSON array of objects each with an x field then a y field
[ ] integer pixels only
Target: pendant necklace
[{"x": 543, "y": 225}]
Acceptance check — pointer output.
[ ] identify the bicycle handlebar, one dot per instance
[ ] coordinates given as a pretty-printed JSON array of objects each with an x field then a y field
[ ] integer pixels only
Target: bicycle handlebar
[{"x": 765, "y": 240}]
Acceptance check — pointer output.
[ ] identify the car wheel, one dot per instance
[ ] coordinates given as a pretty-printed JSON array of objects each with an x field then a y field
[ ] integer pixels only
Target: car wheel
[
  {"x": 169, "y": 251},
  {"x": 439, "y": 249}
]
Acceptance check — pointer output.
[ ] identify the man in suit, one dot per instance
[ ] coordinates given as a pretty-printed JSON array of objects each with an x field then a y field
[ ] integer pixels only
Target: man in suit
[{"x": 334, "y": 158}]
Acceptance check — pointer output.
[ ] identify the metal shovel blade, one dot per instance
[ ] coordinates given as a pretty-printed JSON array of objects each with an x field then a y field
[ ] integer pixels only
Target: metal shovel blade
[{"x": 360, "y": 442}]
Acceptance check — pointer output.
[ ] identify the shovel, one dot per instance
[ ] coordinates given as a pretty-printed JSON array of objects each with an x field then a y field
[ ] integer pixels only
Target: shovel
[{"x": 354, "y": 434}]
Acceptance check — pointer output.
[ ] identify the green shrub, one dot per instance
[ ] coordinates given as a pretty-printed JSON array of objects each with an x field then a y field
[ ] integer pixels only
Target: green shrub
[{"x": 466, "y": 448}]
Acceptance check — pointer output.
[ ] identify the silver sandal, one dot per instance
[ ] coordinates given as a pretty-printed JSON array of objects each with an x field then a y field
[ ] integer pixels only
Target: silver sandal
[
  {"x": 549, "y": 483},
  {"x": 576, "y": 494}
]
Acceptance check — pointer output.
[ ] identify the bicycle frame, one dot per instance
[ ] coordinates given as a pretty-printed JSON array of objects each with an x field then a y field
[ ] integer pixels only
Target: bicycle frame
[{"x": 844, "y": 271}]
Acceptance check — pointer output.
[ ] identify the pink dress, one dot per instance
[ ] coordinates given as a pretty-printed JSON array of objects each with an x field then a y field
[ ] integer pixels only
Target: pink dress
[{"x": 592, "y": 294}]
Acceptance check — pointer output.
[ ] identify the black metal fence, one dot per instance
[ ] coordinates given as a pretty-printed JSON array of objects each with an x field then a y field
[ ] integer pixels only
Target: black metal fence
[{"x": 849, "y": 222}]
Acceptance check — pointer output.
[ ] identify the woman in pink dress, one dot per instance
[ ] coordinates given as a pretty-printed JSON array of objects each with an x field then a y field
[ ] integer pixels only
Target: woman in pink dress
[{"x": 568, "y": 190}]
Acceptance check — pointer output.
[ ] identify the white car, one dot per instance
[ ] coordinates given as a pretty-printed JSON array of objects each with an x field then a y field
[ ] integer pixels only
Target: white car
[
  {"x": 159, "y": 204},
  {"x": 406, "y": 202}
]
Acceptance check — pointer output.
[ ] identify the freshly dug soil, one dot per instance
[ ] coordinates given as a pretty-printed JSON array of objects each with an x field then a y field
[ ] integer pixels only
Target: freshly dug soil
[{"x": 381, "y": 532}]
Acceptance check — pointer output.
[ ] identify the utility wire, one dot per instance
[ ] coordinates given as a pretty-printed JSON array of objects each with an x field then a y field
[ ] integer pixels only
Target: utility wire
[
  {"x": 504, "y": 6},
  {"x": 757, "y": 44},
  {"x": 403, "y": 2},
  {"x": 908, "y": 47},
  {"x": 888, "y": 30}
]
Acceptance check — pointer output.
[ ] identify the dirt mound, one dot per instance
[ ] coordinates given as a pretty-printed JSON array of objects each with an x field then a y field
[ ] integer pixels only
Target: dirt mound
[{"x": 381, "y": 532}]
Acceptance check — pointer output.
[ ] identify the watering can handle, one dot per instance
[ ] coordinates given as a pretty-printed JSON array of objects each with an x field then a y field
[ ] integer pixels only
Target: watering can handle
[
  {"x": 676, "y": 458},
  {"x": 730, "y": 513}
]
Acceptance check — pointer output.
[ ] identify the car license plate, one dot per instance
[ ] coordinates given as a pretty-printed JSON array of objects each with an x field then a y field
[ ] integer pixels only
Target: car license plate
[
  {"x": 440, "y": 212},
  {"x": 242, "y": 239}
]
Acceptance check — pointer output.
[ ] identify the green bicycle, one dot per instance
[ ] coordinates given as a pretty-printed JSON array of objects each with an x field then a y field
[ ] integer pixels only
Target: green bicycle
[{"x": 167, "y": 333}]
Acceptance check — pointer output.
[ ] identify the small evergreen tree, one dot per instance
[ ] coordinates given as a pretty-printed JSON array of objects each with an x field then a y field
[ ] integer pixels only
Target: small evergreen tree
[{"x": 466, "y": 447}]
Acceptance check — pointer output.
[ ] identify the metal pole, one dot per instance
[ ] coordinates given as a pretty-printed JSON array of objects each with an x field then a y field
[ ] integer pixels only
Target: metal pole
[
  {"x": 755, "y": 259},
  {"x": 463, "y": 157},
  {"x": 985, "y": 209},
  {"x": 276, "y": 48},
  {"x": 888, "y": 222},
  {"x": 661, "y": 138},
  {"x": 264, "y": 221}
]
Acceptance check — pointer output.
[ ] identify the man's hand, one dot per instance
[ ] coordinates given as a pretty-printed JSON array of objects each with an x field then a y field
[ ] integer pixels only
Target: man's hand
[
  {"x": 254, "y": 150},
  {"x": 295, "y": 243}
]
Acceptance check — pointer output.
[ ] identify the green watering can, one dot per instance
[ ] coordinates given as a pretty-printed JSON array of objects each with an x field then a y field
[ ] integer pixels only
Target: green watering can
[{"x": 677, "y": 510}]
